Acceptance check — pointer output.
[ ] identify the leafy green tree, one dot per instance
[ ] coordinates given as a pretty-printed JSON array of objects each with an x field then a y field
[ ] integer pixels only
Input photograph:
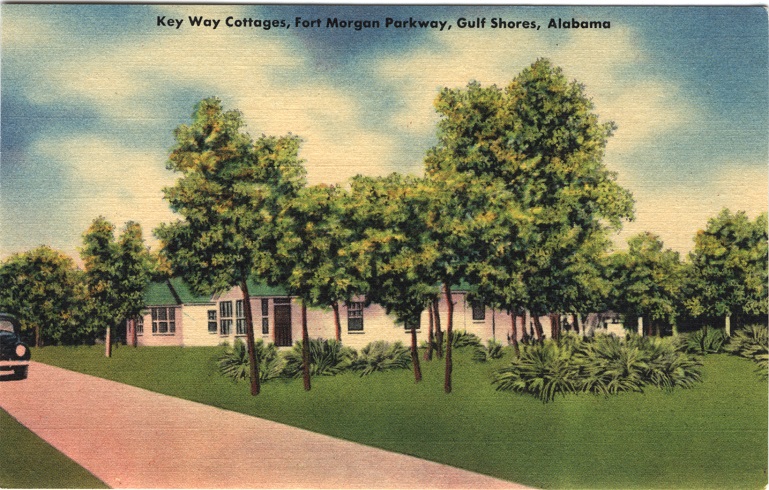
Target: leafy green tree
[
  {"x": 116, "y": 274},
  {"x": 540, "y": 142},
  {"x": 729, "y": 267},
  {"x": 647, "y": 280},
  {"x": 44, "y": 290},
  {"x": 229, "y": 194},
  {"x": 389, "y": 215},
  {"x": 135, "y": 268},
  {"x": 312, "y": 260},
  {"x": 99, "y": 254}
]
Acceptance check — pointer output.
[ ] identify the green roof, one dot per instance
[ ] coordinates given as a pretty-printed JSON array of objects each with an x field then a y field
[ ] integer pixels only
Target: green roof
[
  {"x": 160, "y": 294},
  {"x": 185, "y": 293},
  {"x": 177, "y": 291},
  {"x": 261, "y": 289}
]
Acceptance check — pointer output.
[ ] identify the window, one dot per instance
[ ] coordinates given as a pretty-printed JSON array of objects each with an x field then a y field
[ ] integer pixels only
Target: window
[
  {"x": 139, "y": 325},
  {"x": 212, "y": 327},
  {"x": 240, "y": 318},
  {"x": 225, "y": 317},
  {"x": 163, "y": 320},
  {"x": 479, "y": 312},
  {"x": 265, "y": 316},
  {"x": 355, "y": 316}
]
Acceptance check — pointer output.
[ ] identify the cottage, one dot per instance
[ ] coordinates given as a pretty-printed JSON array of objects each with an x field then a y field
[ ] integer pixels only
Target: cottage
[{"x": 176, "y": 316}]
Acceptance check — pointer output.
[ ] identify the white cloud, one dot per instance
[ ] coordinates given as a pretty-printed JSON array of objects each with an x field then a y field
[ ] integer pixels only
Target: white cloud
[
  {"x": 606, "y": 63},
  {"x": 106, "y": 178},
  {"x": 676, "y": 209},
  {"x": 264, "y": 75}
]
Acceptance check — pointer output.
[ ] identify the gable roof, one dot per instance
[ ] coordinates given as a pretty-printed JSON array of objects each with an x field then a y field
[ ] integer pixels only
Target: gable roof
[
  {"x": 184, "y": 292},
  {"x": 160, "y": 294},
  {"x": 176, "y": 291}
]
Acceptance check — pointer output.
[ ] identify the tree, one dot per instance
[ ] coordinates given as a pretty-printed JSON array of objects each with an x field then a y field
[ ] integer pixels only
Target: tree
[
  {"x": 313, "y": 259},
  {"x": 44, "y": 290},
  {"x": 229, "y": 193},
  {"x": 729, "y": 267},
  {"x": 116, "y": 274},
  {"x": 539, "y": 140},
  {"x": 389, "y": 215},
  {"x": 647, "y": 280},
  {"x": 135, "y": 268}
]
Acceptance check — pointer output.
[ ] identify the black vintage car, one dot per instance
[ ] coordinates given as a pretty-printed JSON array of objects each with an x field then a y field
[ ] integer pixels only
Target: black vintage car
[{"x": 14, "y": 354}]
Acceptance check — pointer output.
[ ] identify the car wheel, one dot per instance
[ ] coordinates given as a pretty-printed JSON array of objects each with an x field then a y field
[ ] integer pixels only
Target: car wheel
[{"x": 21, "y": 372}]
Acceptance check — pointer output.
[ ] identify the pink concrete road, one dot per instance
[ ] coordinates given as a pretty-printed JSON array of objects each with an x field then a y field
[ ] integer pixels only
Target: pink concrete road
[{"x": 130, "y": 437}]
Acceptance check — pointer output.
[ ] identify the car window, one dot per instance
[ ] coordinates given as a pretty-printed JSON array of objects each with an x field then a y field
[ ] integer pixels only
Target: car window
[{"x": 6, "y": 326}]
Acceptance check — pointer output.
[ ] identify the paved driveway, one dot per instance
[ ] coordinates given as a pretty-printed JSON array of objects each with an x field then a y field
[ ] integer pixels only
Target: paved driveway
[{"x": 130, "y": 437}]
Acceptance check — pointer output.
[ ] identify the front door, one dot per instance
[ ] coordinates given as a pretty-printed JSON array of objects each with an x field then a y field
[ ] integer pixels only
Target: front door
[{"x": 282, "y": 314}]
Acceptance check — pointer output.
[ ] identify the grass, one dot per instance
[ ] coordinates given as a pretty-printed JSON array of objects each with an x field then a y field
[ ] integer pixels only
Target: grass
[
  {"x": 26, "y": 461},
  {"x": 713, "y": 435}
]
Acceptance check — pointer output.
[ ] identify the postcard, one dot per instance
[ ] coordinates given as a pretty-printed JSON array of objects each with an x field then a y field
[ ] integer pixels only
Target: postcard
[{"x": 386, "y": 246}]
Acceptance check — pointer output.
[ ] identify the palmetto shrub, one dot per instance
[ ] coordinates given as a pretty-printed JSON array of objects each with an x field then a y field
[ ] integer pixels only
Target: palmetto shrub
[
  {"x": 327, "y": 358},
  {"x": 752, "y": 342},
  {"x": 707, "y": 340},
  {"x": 382, "y": 356},
  {"x": 461, "y": 338},
  {"x": 233, "y": 363},
  {"x": 671, "y": 368},
  {"x": 493, "y": 350},
  {"x": 608, "y": 365},
  {"x": 603, "y": 364},
  {"x": 542, "y": 370}
]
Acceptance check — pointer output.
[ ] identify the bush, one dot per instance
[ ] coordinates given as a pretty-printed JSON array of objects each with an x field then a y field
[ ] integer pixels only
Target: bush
[
  {"x": 670, "y": 368},
  {"x": 607, "y": 365},
  {"x": 493, "y": 350},
  {"x": 752, "y": 342},
  {"x": 327, "y": 358},
  {"x": 233, "y": 363},
  {"x": 382, "y": 356},
  {"x": 603, "y": 364},
  {"x": 542, "y": 370},
  {"x": 461, "y": 338},
  {"x": 706, "y": 340}
]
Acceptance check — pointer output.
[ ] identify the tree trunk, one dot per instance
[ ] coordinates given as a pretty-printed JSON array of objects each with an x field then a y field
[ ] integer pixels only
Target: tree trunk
[
  {"x": 37, "y": 336},
  {"x": 108, "y": 343},
  {"x": 555, "y": 326},
  {"x": 578, "y": 324},
  {"x": 305, "y": 349},
  {"x": 538, "y": 326},
  {"x": 449, "y": 325},
  {"x": 337, "y": 323},
  {"x": 256, "y": 386},
  {"x": 648, "y": 328},
  {"x": 514, "y": 338},
  {"x": 430, "y": 335},
  {"x": 415, "y": 356},
  {"x": 438, "y": 331},
  {"x": 134, "y": 335}
]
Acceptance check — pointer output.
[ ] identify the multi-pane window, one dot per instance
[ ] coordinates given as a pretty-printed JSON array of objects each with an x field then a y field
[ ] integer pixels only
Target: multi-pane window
[
  {"x": 265, "y": 316},
  {"x": 355, "y": 316},
  {"x": 139, "y": 325},
  {"x": 163, "y": 320},
  {"x": 240, "y": 318},
  {"x": 225, "y": 317},
  {"x": 479, "y": 311},
  {"x": 212, "y": 326}
]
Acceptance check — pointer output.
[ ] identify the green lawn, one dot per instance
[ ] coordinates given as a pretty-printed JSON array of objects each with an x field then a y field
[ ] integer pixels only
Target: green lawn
[
  {"x": 26, "y": 461},
  {"x": 711, "y": 436}
]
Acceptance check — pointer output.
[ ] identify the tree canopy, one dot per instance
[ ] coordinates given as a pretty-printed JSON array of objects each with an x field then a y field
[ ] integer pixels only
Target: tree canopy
[
  {"x": 729, "y": 267},
  {"x": 229, "y": 194}
]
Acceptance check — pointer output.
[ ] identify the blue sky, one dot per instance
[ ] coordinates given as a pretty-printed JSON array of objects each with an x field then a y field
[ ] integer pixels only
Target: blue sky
[{"x": 91, "y": 94}]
